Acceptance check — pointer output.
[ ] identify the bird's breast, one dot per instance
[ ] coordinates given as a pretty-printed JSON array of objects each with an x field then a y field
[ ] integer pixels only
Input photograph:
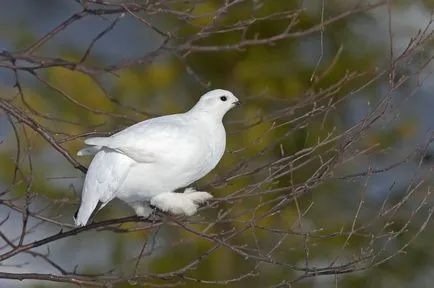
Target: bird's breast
[{"x": 200, "y": 154}]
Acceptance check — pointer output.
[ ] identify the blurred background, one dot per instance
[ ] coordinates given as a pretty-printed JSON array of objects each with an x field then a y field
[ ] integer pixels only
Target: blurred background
[{"x": 327, "y": 177}]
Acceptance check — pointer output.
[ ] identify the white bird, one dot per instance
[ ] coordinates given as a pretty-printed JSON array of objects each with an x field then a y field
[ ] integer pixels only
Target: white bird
[{"x": 145, "y": 163}]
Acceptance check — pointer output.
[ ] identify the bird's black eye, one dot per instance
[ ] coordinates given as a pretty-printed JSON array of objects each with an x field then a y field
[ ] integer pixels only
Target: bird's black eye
[{"x": 223, "y": 98}]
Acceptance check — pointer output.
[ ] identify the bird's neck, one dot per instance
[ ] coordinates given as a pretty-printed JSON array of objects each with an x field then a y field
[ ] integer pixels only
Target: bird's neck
[{"x": 203, "y": 115}]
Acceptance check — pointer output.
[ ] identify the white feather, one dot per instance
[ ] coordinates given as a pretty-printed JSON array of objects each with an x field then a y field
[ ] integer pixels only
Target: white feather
[
  {"x": 146, "y": 162},
  {"x": 89, "y": 151}
]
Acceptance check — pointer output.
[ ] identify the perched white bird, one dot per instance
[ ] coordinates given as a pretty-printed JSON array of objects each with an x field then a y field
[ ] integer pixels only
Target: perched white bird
[{"x": 145, "y": 163}]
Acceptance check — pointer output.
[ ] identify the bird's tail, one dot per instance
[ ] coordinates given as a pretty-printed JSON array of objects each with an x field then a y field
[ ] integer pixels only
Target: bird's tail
[
  {"x": 86, "y": 210},
  {"x": 89, "y": 151},
  {"x": 96, "y": 144},
  {"x": 96, "y": 141}
]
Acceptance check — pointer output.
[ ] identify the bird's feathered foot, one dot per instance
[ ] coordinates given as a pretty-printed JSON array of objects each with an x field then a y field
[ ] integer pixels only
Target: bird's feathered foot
[
  {"x": 142, "y": 209},
  {"x": 180, "y": 203},
  {"x": 198, "y": 197}
]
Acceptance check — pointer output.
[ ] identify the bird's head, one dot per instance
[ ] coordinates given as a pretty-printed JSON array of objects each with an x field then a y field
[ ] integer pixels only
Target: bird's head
[{"x": 216, "y": 102}]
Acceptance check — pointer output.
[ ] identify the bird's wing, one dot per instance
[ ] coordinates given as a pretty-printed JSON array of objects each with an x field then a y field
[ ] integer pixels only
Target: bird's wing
[
  {"x": 147, "y": 141},
  {"x": 105, "y": 175},
  {"x": 92, "y": 150}
]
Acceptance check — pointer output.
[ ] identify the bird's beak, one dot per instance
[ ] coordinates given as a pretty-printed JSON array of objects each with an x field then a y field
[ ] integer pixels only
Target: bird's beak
[{"x": 237, "y": 103}]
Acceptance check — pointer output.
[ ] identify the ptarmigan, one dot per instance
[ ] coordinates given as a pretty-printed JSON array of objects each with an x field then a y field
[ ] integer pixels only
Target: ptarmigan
[{"x": 145, "y": 163}]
